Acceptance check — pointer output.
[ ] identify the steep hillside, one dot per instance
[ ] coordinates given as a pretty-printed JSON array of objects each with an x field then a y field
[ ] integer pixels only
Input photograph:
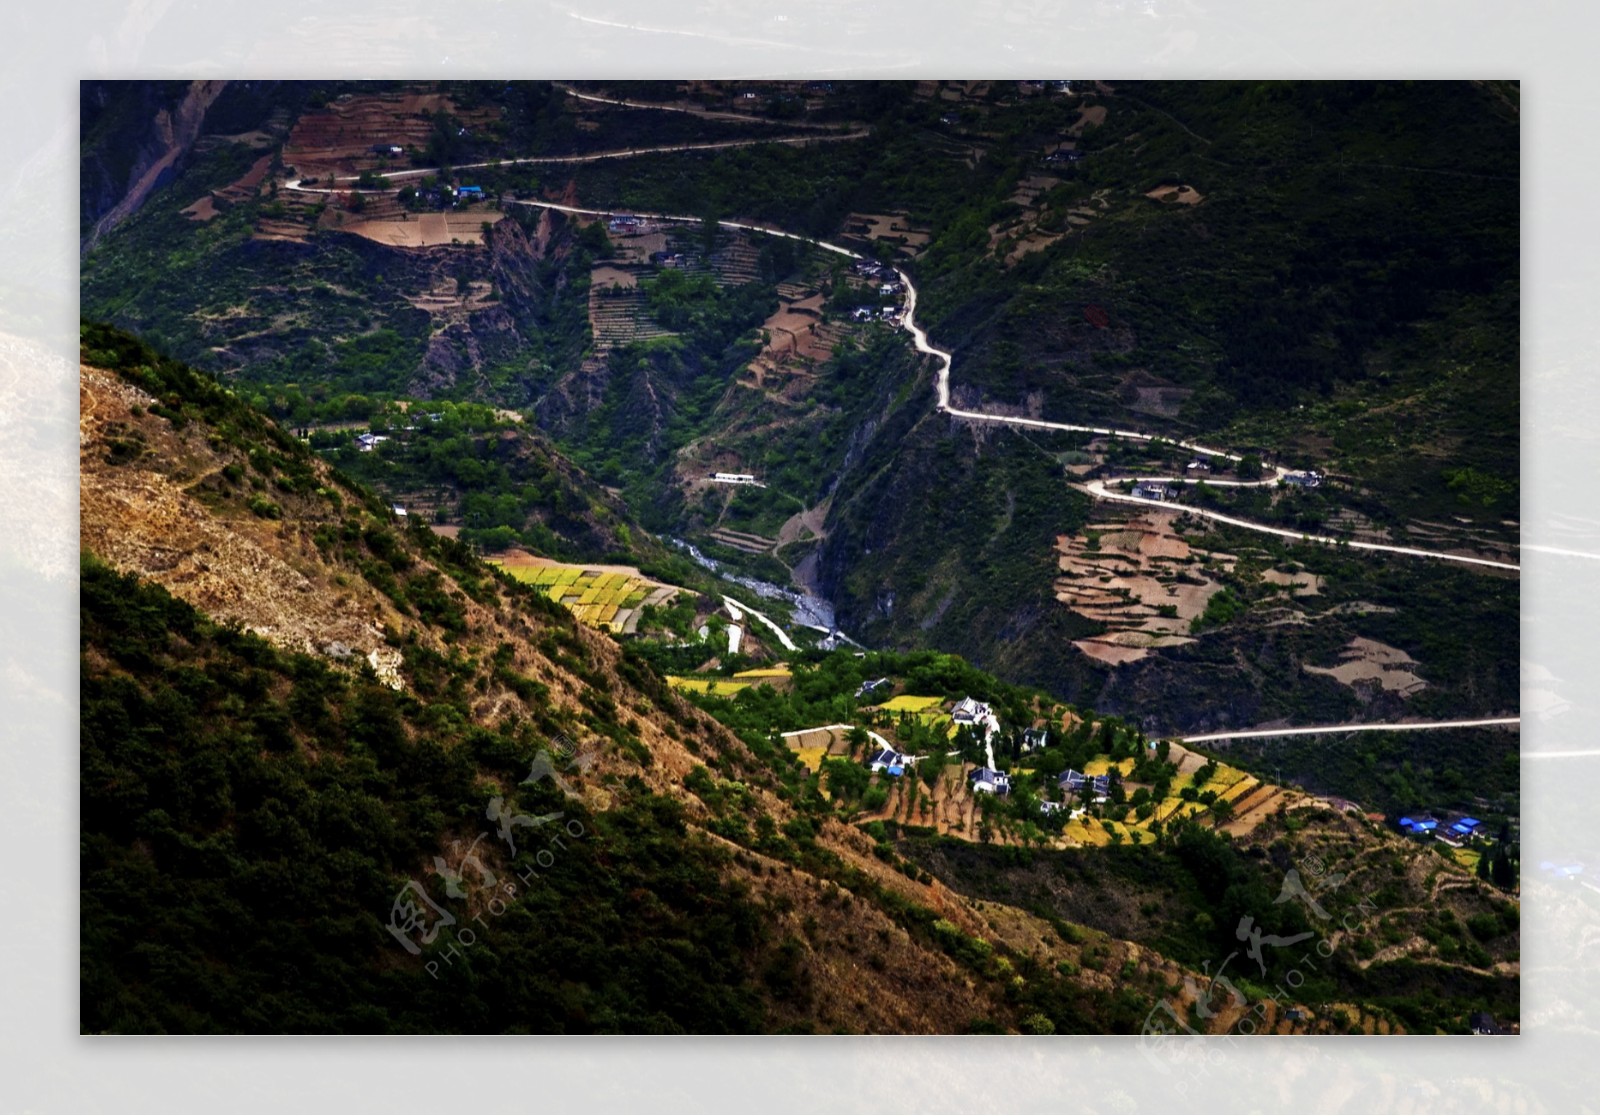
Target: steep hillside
[{"x": 293, "y": 706}]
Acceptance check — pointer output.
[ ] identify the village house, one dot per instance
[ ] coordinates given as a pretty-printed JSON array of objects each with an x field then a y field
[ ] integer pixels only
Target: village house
[
  {"x": 868, "y": 687},
  {"x": 986, "y": 780},
  {"x": 1150, "y": 490},
  {"x": 1423, "y": 825},
  {"x": 734, "y": 478},
  {"x": 1309, "y": 479},
  {"x": 891, "y": 761},
  {"x": 370, "y": 442},
  {"x": 970, "y": 711},
  {"x": 1075, "y": 782},
  {"x": 1035, "y": 739}
]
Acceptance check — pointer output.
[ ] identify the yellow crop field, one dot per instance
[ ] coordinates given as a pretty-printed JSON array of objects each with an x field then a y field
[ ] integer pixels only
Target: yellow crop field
[
  {"x": 1076, "y": 831},
  {"x": 910, "y": 703},
  {"x": 765, "y": 672},
  {"x": 1240, "y": 788},
  {"x": 1101, "y": 765},
  {"x": 721, "y": 687},
  {"x": 600, "y": 598},
  {"x": 811, "y": 757}
]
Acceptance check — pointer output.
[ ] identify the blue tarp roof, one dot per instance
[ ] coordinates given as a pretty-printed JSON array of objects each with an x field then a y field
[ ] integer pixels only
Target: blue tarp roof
[{"x": 1469, "y": 822}]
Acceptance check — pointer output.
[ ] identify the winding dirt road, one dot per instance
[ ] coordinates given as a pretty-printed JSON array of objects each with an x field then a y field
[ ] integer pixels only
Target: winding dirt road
[{"x": 919, "y": 336}]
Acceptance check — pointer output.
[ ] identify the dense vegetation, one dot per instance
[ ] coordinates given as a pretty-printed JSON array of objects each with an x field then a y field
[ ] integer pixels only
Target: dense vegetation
[{"x": 249, "y": 816}]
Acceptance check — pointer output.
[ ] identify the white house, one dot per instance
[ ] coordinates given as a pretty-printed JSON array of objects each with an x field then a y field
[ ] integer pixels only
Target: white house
[
  {"x": 986, "y": 780},
  {"x": 969, "y": 711},
  {"x": 891, "y": 761},
  {"x": 369, "y": 442},
  {"x": 1034, "y": 739}
]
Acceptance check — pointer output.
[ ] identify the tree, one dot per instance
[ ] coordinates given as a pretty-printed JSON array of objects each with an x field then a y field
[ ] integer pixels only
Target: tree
[
  {"x": 858, "y": 738},
  {"x": 1249, "y": 467},
  {"x": 1503, "y": 873}
]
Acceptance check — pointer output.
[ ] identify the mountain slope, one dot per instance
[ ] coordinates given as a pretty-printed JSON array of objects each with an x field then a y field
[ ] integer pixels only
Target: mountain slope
[{"x": 256, "y": 796}]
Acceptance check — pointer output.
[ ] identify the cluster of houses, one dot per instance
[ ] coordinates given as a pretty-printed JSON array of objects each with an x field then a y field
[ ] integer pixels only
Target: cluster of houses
[
  {"x": 444, "y": 196},
  {"x": 1455, "y": 833},
  {"x": 626, "y": 224},
  {"x": 990, "y": 780},
  {"x": 889, "y": 285},
  {"x": 369, "y": 441},
  {"x": 987, "y": 780}
]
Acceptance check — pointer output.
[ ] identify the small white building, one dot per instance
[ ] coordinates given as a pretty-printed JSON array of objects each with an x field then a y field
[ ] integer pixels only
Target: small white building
[
  {"x": 986, "y": 780},
  {"x": 370, "y": 442},
  {"x": 969, "y": 711},
  {"x": 895, "y": 763}
]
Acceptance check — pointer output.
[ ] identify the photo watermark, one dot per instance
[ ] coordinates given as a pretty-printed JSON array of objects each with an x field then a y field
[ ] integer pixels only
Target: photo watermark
[
  {"x": 1171, "y": 1044},
  {"x": 419, "y": 922}
]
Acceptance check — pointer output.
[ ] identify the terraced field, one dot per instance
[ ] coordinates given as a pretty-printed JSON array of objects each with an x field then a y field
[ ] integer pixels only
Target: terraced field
[{"x": 602, "y": 598}]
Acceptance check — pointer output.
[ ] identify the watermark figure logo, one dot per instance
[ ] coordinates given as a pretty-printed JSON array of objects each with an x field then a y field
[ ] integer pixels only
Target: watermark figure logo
[
  {"x": 453, "y": 878},
  {"x": 1293, "y": 888},
  {"x": 508, "y": 820},
  {"x": 543, "y": 769},
  {"x": 1248, "y": 931},
  {"x": 407, "y": 916}
]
